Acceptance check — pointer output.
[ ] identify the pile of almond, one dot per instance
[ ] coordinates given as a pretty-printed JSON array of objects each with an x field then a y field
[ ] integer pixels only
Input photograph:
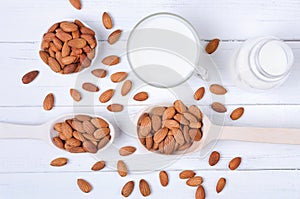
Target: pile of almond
[
  {"x": 170, "y": 129},
  {"x": 82, "y": 134},
  {"x": 68, "y": 47}
]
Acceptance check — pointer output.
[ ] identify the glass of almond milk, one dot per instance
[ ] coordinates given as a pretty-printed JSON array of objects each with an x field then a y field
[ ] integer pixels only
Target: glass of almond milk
[
  {"x": 163, "y": 50},
  {"x": 262, "y": 63}
]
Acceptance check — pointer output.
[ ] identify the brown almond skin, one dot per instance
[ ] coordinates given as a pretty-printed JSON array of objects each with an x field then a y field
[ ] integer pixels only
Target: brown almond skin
[
  {"x": 212, "y": 46},
  {"x": 107, "y": 21},
  {"x": 234, "y": 163},
  {"x": 237, "y": 113},
  {"x": 58, "y": 142},
  {"x": 122, "y": 168},
  {"x": 106, "y": 95},
  {"x": 75, "y": 94},
  {"x": 44, "y": 56},
  {"x": 111, "y": 60},
  {"x": 186, "y": 174},
  {"x": 194, "y": 181},
  {"x": 200, "y": 192},
  {"x": 217, "y": 89},
  {"x": 118, "y": 77},
  {"x": 48, "y": 103},
  {"x": 90, "y": 87},
  {"x": 76, "y": 4},
  {"x": 141, "y": 96},
  {"x": 218, "y": 107},
  {"x": 99, "y": 123},
  {"x": 163, "y": 178},
  {"x": 127, "y": 189},
  {"x": 30, "y": 76},
  {"x": 84, "y": 186},
  {"x": 89, "y": 147},
  {"x": 115, "y": 107},
  {"x": 100, "y": 73},
  {"x": 114, "y": 36},
  {"x": 179, "y": 106},
  {"x": 58, "y": 162},
  {"x": 98, "y": 166},
  {"x": 144, "y": 188},
  {"x": 220, "y": 185},
  {"x": 198, "y": 95},
  {"x": 127, "y": 150},
  {"x": 214, "y": 158},
  {"x": 126, "y": 87}
]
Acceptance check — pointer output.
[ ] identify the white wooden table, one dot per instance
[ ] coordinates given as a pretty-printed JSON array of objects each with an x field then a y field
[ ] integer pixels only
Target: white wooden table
[{"x": 267, "y": 171}]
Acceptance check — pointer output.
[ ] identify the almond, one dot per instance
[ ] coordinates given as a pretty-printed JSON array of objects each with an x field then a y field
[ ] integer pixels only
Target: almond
[
  {"x": 106, "y": 95},
  {"x": 87, "y": 31},
  {"x": 83, "y": 118},
  {"x": 101, "y": 133},
  {"x": 198, "y": 95},
  {"x": 58, "y": 162},
  {"x": 99, "y": 122},
  {"x": 58, "y": 142},
  {"x": 220, "y": 185},
  {"x": 44, "y": 56},
  {"x": 76, "y": 150},
  {"x": 107, "y": 21},
  {"x": 178, "y": 136},
  {"x": 179, "y": 106},
  {"x": 235, "y": 163},
  {"x": 54, "y": 65},
  {"x": 98, "y": 166},
  {"x": 141, "y": 96},
  {"x": 181, "y": 119},
  {"x": 145, "y": 126},
  {"x": 77, "y": 43},
  {"x": 91, "y": 40},
  {"x": 114, "y": 36},
  {"x": 76, "y": 4},
  {"x": 237, "y": 113},
  {"x": 69, "y": 68},
  {"x": 45, "y": 44},
  {"x": 88, "y": 127},
  {"x": 90, "y": 87},
  {"x": 122, "y": 168},
  {"x": 158, "y": 111},
  {"x": 63, "y": 36},
  {"x": 75, "y": 94},
  {"x": 144, "y": 188},
  {"x": 212, "y": 46},
  {"x": 127, "y": 150},
  {"x": 115, "y": 108},
  {"x": 149, "y": 142},
  {"x": 127, "y": 188},
  {"x": 84, "y": 185},
  {"x": 67, "y": 130},
  {"x": 118, "y": 76},
  {"x": 77, "y": 125},
  {"x": 217, "y": 89},
  {"x": 30, "y": 76},
  {"x": 193, "y": 109},
  {"x": 195, "y": 125},
  {"x": 156, "y": 122},
  {"x": 78, "y": 136},
  {"x": 169, "y": 145},
  {"x": 90, "y": 137},
  {"x": 57, "y": 43},
  {"x": 100, "y": 73},
  {"x": 200, "y": 192},
  {"x": 53, "y": 27},
  {"x": 48, "y": 102},
  {"x": 194, "y": 181},
  {"x": 68, "y": 60},
  {"x": 126, "y": 87},
  {"x": 79, "y": 23},
  {"x": 186, "y": 174},
  {"x": 102, "y": 143},
  {"x": 48, "y": 36},
  {"x": 169, "y": 113},
  {"x": 75, "y": 34},
  {"x": 218, "y": 107},
  {"x": 111, "y": 60},
  {"x": 73, "y": 142},
  {"x": 160, "y": 135},
  {"x": 89, "y": 147},
  {"x": 68, "y": 26},
  {"x": 57, "y": 127},
  {"x": 186, "y": 135},
  {"x": 195, "y": 134},
  {"x": 164, "y": 178},
  {"x": 214, "y": 158},
  {"x": 184, "y": 147},
  {"x": 171, "y": 124}
]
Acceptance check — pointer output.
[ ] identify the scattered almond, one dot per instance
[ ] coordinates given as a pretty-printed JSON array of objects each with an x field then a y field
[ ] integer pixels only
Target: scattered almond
[
  {"x": 98, "y": 166},
  {"x": 186, "y": 174},
  {"x": 214, "y": 158},
  {"x": 237, "y": 113},
  {"x": 200, "y": 192},
  {"x": 30, "y": 76},
  {"x": 127, "y": 188},
  {"x": 58, "y": 162},
  {"x": 100, "y": 73},
  {"x": 144, "y": 188},
  {"x": 48, "y": 102},
  {"x": 235, "y": 163},
  {"x": 217, "y": 89},
  {"x": 76, "y": 4},
  {"x": 106, "y": 95},
  {"x": 115, "y": 108},
  {"x": 164, "y": 178},
  {"x": 126, "y": 87},
  {"x": 198, "y": 95},
  {"x": 84, "y": 185},
  {"x": 194, "y": 181},
  {"x": 141, "y": 96},
  {"x": 122, "y": 168},
  {"x": 220, "y": 185},
  {"x": 111, "y": 60},
  {"x": 118, "y": 76},
  {"x": 90, "y": 87},
  {"x": 75, "y": 94},
  {"x": 114, "y": 36},
  {"x": 107, "y": 21},
  {"x": 212, "y": 46},
  {"x": 127, "y": 150},
  {"x": 218, "y": 107}
]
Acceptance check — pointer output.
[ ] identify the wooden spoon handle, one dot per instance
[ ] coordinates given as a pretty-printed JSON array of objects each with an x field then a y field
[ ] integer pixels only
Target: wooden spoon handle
[{"x": 263, "y": 135}]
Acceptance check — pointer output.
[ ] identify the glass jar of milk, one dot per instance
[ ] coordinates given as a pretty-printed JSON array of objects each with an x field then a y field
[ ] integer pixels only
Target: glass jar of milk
[{"x": 262, "y": 63}]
